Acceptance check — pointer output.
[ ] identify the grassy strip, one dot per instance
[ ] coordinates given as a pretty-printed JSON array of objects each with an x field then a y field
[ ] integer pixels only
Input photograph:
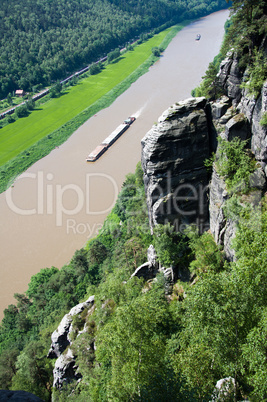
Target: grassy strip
[
  {"x": 25, "y": 132},
  {"x": 10, "y": 170}
]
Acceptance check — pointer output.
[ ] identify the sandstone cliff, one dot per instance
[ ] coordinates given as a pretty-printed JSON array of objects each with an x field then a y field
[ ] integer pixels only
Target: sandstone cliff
[
  {"x": 66, "y": 369},
  {"x": 173, "y": 155},
  {"x": 241, "y": 119},
  {"x": 178, "y": 188}
]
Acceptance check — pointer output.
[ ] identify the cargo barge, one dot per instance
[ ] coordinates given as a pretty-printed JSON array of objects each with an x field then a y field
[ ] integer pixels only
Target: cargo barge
[{"x": 100, "y": 149}]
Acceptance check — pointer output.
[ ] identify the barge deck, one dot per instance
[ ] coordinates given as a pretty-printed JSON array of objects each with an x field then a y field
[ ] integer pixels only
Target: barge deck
[{"x": 100, "y": 149}]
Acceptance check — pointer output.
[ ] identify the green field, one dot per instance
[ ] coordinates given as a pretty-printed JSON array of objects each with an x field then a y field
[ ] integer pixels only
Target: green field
[{"x": 30, "y": 138}]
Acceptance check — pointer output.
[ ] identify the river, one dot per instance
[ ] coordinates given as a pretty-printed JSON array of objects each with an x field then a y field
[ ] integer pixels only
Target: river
[{"x": 61, "y": 201}]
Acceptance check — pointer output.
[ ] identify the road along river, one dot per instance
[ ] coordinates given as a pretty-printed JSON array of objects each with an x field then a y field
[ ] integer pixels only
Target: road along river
[{"x": 62, "y": 200}]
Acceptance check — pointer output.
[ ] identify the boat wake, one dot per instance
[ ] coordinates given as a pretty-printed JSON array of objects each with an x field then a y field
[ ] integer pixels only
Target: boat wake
[{"x": 140, "y": 111}]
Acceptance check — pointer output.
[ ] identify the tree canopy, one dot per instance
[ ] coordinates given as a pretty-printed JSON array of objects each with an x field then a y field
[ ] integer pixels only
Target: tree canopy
[{"x": 44, "y": 41}]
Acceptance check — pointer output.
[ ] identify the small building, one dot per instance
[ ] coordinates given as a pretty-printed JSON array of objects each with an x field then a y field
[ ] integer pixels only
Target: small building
[{"x": 19, "y": 92}]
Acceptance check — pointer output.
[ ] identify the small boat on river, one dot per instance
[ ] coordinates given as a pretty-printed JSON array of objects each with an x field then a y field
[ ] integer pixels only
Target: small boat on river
[
  {"x": 198, "y": 37},
  {"x": 100, "y": 149}
]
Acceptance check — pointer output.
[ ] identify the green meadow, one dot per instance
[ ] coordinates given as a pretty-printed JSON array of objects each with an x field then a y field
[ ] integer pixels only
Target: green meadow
[{"x": 30, "y": 138}]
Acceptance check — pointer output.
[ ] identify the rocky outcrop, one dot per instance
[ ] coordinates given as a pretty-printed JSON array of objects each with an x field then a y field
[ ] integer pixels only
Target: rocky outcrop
[
  {"x": 61, "y": 336},
  {"x": 254, "y": 109},
  {"x": 174, "y": 151},
  {"x": 220, "y": 107},
  {"x": 152, "y": 267},
  {"x": 223, "y": 229},
  {"x": 65, "y": 369},
  {"x": 18, "y": 396},
  {"x": 230, "y": 77},
  {"x": 243, "y": 121},
  {"x": 237, "y": 126},
  {"x": 224, "y": 390},
  {"x": 173, "y": 155},
  {"x": 149, "y": 269}
]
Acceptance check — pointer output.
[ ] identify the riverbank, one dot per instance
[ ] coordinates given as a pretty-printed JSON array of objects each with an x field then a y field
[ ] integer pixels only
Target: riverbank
[
  {"x": 31, "y": 232},
  {"x": 29, "y": 139}
]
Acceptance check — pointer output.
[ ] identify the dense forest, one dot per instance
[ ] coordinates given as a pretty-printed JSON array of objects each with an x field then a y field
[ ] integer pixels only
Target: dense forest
[
  {"x": 145, "y": 341},
  {"x": 44, "y": 41},
  {"x": 149, "y": 346}
]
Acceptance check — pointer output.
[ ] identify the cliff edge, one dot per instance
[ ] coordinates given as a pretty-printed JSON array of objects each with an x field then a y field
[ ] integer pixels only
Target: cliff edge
[{"x": 178, "y": 187}]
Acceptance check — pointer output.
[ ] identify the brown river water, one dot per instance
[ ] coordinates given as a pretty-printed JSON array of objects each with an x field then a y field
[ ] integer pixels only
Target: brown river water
[{"x": 62, "y": 201}]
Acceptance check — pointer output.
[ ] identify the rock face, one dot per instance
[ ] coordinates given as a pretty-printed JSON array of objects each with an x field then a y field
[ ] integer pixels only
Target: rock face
[
  {"x": 60, "y": 337},
  {"x": 224, "y": 390},
  {"x": 173, "y": 155},
  {"x": 230, "y": 77},
  {"x": 149, "y": 269},
  {"x": 65, "y": 369},
  {"x": 259, "y": 132},
  {"x": 242, "y": 121},
  {"x": 152, "y": 267},
  {"x": 223, "y": 229},
  {"x": 174, "y": 151},
  {"x": 252, "y": 109}
]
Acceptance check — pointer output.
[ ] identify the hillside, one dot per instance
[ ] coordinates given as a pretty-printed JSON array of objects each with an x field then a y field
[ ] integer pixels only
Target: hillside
[
  {"x": 146, "y": 312},
  {"x": 44, "y": 41}
]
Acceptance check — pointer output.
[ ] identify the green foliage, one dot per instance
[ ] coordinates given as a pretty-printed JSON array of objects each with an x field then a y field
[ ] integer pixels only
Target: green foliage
[
  {"x": 28, "y": 141},
  {"x": 223, "y": 317},
  {"x": 263, "y": 121},
  {"x": 33, "y": 371},
  {"x": 208, "y": 256},
  {"x": 9, "y": 99},
  {"x": 208, "y": 163},
  {"x": 171, "y": 246},
  {"x": 22, "y": 111},
  {"x": 52, "y": 292},
  {"x": 43, "y": 41},
  {"x": 39, "y": 280},
  {"x": 257, "y": 74},
  {"x": 55, "y": 91},
  {"x": 10, "y": 119},
  {"x": 8, "y": 367},
  {"x": 209, "y": 87},
  {"x": 115, "y": 54},
  {"x": 133, "y": 345},
  {"x": 234, "y": 163},
  {"x": 30, "y": 104},
  {"x": 95, "y": 69},
  {"x": 139, "y": 344},
  {"x": 246, "y": 33},
  {"x": 156, "y": 51},
  {"x": 255, "y": 354}
]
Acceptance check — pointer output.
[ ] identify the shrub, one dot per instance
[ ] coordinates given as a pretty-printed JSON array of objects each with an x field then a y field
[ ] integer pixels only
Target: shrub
[
  {"x": 95, "y": 69},
  {"x": 113, "y": 55},
  {"x": 22, "y": 111},
  {"x": 263, "y": 121},
  {"x": 234, "y": 163},
  {"x": 257, "y": 73}
]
